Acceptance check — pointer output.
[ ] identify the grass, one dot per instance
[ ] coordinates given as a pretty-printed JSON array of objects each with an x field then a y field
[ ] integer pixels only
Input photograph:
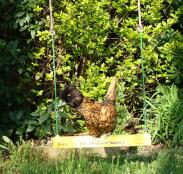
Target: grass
[{"x": 22, "y": 160}]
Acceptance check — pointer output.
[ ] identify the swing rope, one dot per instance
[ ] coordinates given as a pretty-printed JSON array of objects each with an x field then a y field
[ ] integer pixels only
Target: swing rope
[
  {"x": 54, "y": 68},
  {"x": 142, "y": 66}
]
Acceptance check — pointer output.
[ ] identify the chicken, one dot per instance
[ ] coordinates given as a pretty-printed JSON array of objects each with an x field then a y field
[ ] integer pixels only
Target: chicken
[{"x": 100, "y": 118}]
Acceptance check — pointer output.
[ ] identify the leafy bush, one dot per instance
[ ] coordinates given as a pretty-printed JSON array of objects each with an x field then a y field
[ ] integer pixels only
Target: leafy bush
[
  {"x": 166, "y": 115},
  {"x": 15, "y": 70},
  {"x": 93, "y": 41}
]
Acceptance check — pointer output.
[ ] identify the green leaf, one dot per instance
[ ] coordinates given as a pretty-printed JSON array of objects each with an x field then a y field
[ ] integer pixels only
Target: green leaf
[
  {"x": 33, "y": 34},
  {"x": 20, "y": 70},
  {"x": 27, "y": 17},
  {"x": 20, "y": 130},
  {"x": 12, "y": 116},
  {"x": 30, "y": 128},
  {"x": 39, "y": 93},
  {"x": 7, "y": 140},
  {"x": 59, "y": 71},
  {"x": 35, "y": 114},
  {"x": 49, "y": 76},
  {"x": 24, "y": 27},
  {"x": 43, "y": 118},
  {"x": 32, "y": 122},
  {"x": 68, "y": 129},
  {"x": 3, "y": 147},
  {"x": 20, "y": 14},
  {"x": 19, "y": 115}
]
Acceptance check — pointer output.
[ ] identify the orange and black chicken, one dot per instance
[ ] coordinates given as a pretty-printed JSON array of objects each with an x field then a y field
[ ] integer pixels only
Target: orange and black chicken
[{"x": 100, "y": 118}]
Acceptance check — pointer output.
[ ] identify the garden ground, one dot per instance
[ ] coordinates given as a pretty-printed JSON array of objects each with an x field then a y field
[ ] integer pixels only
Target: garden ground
[{"x": 22, "y": 160}]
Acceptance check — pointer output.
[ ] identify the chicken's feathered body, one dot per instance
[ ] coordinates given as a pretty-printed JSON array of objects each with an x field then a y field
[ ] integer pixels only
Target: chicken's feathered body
[{"x": 100, "y": 118}]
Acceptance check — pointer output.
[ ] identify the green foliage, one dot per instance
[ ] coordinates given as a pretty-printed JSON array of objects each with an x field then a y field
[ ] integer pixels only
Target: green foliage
[
  {"x": 94, "y": 40},
  {"x": 95, "y": 83},
  {"x": 166, "y": 115},
  {"x": 17, "y": 32},
  {"x": 83, "y": 26}
]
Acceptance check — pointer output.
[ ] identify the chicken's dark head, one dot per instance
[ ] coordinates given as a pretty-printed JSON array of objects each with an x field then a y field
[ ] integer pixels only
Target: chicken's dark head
[{"x": 72, "y": 96}]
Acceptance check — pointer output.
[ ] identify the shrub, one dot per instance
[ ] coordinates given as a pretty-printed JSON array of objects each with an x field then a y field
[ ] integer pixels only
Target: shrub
[
  {"x": 166, "y": 115},
  {"x": 93, "y": 41}
]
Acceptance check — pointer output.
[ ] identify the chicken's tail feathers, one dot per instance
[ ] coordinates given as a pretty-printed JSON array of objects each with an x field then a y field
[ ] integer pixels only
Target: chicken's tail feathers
[{"x": 111, "y": 93}]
